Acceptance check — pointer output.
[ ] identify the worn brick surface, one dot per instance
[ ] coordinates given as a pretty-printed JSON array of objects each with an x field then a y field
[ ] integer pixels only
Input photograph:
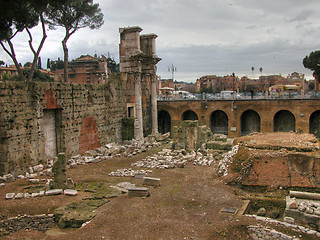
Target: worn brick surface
[{"x": 86, "y": 116}]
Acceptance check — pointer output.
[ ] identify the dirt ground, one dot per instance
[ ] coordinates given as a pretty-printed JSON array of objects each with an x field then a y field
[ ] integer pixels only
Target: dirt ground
[{"x": 187, "y": 205}]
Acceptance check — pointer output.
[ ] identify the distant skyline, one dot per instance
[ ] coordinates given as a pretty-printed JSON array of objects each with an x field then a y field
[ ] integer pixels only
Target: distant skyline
[{"x": 200, "y": 37}]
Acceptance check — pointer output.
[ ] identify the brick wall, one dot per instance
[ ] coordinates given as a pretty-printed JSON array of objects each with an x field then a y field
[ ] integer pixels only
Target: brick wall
[{"x": 288, "y": 169}]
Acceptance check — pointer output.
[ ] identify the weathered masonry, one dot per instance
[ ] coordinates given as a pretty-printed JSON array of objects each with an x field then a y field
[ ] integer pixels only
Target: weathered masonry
[
  {"x": 39, "y": 120},
  {"x": 241, "y": 117},
  {"x": 138, "y": 61}
]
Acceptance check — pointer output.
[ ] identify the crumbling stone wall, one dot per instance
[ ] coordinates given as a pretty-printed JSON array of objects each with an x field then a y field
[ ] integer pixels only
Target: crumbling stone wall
[
  {"x": 280, "y": 159},
  {"x": 85, "y": 117}
]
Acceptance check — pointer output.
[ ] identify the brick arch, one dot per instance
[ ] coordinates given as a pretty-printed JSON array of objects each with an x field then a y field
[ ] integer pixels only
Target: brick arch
[
  {"x": 219, "y": 122},
  {"x": 284, "y": 121},
  {"x": 250, "y": 121},
  {"x": 189, "y": 115},
  {"x": 164, "y": 122},
  {"x": 314, "y": 123}
]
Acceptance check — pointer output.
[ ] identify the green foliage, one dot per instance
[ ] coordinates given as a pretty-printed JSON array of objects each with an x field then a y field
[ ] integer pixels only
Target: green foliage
[
  {"x": 39, "y": 63},
  {"x": 74, "y": 14},
  {"x": 112, "y": 65},
  {"x": 38, "y": 76},
  {"x": 206, "y": 90},
  {"x": 58, "y": 64},
  {"x": 312, "y": 62},
  {"x": 17, "y": 16}
]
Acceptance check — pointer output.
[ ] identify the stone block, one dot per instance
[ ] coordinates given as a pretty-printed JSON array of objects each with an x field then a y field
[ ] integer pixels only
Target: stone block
[
  {"x": 149, "y": 181},
  {"x": 10, "y": 196},
  {"x": 289, "y": 220},
  {"x": 18, "y": 196},
  {"x": 54, "y": 192},
  {"x": 70, "y": 192},
  {"x": 34, "y": 195},
  {"x": 138, "y": 192}
]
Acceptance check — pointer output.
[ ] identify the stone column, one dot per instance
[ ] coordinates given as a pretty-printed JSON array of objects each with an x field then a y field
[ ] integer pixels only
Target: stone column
[
  {"x": 138, "y": 133},
  {"x": 154, "y": 107}
]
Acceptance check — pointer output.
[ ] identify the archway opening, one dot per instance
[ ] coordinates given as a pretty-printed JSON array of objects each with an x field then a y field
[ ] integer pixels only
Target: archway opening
[
  {"x": 250, "y": 122},
  {"x": 164, "y": 122},
  {"x": 284, "y": 121},
  {"x": 189, "y": 115},
  {"x": 314, "y": 124},
  {"x": 219, "y": 122}
]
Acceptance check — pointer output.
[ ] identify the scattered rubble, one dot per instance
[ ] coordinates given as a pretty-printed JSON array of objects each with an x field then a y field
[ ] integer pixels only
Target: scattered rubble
[
  {"x": 304, "y": 207},
  {"x": 15, "y": 224},
  {"x": 286, "y": 224},
  {"x": 260, "y": 232},
  {"x": 227, "y": 160},
  {"x": 51, "y": 192},
  {"x": 129, "y": 173}
]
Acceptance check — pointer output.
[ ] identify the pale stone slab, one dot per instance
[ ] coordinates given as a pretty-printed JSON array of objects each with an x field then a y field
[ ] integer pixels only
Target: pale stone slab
[
  {"x": 34, "y": 180},
  {"x": 19, "y": 196},
  {"x": 149, "y": 181},
  {"x": 54, "y": 192},
  {"x": 27, "y": 195},
  {"x": 34, "y": 195},
  {"x": 10, "y": 196},
  {"x": 70, "y": 192},
  {"x": 41, "y": 193}
]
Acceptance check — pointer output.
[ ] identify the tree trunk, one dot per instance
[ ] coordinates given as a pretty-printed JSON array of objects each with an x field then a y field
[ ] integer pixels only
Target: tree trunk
[
  {"x": 37, "y": 53},
  {"x": 66, "y": 58},
  {"x": 138, "y": 121},
  {"x": 12, "y": 54},
  {"x": 154, "y": 108}
]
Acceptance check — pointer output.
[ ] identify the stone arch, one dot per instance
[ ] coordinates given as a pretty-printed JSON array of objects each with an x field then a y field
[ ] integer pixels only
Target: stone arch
[
  {"x": 284, "y": 121},
  {"x": 189, "y": 115},
  {"x": 219, "y": 122},
  {"x": 164, "y": 122},
  {"x": 250, "y": 122},
  {"x": 314, "y": 123}
]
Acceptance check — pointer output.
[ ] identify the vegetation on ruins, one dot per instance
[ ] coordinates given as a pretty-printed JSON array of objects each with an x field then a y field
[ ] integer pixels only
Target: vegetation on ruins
[
  {"x": 73, "y": 15},
  {"x": 312, "y": 62},
  {"x": 17, "y": 16}
]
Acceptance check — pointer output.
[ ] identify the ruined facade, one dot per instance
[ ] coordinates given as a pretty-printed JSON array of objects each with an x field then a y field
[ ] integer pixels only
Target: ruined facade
[
  {"x": 138, "y": 61},
  {"x": 38, "y": 120}
]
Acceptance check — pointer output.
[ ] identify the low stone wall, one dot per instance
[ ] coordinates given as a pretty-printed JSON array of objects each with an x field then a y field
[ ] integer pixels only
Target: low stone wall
[{"x": 39, "y": 223}]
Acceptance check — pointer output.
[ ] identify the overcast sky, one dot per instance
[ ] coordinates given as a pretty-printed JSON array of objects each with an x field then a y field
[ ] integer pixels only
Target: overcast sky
[{"x": 201, "y": 37}]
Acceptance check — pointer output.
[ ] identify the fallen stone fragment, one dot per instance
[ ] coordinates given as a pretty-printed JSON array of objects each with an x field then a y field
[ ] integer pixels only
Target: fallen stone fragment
[
  {"x": 261, "y": 212},
  {"x": 54, "y": 192},
  {"x": 138, "y": 192},
  {"x": 289, "y": 220},
  {"x": 70, "y": 192},
  {"x": 149, "y": 181},
  {"x": 27, "y": 195},
  {"x": 18, "y": 196},
  {"x": 34, "y": 195},
  {"x": 41, "y": 193},
  {"x": 32, "y": 180},
  {"x": 10, "y": 196}
]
